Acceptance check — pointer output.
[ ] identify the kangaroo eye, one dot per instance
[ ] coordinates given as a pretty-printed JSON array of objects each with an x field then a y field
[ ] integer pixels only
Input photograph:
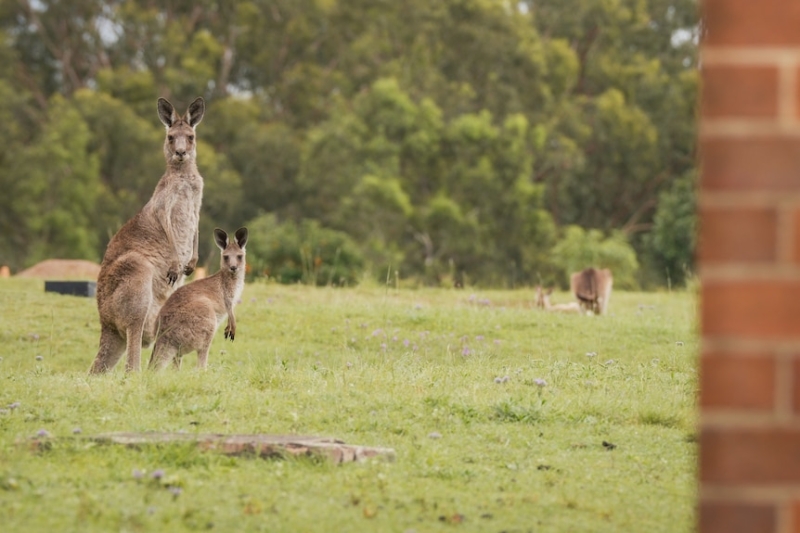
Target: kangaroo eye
[
  {"x": 171, "y": 138},
  {"x": 239, "y": 257},
  {"x": 191, "y": 138}
]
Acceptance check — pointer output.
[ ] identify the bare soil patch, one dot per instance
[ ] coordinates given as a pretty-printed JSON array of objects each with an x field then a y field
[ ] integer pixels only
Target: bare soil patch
[{"x": 62, "y": 269}]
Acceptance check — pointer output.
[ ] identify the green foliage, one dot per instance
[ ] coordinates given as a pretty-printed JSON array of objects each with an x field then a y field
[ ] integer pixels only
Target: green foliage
[
  {"x": 448, "y": 139},
  {"x": 674, "y": 230},
  {"x": 579, "y": 249},
  {"x": 302, "y": 252},
  {"x": 55, "y": 202}
]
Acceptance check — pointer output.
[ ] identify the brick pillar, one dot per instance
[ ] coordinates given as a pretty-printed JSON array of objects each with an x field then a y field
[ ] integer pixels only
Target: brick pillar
[{"x": 749, "y": 256}]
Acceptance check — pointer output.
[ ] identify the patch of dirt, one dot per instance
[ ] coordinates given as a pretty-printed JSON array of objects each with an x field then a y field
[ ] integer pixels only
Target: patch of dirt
[{"x": 62, "y": 269}]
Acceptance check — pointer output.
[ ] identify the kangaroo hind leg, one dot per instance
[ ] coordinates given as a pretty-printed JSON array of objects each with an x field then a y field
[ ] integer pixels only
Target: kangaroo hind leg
[{"x": 112, "y": 347}]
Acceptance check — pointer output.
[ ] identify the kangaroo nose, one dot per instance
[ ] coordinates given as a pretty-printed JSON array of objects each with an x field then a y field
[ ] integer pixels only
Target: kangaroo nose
[
  {"x": 180, "y": 153},
  {"x": 234, "y": 268}
]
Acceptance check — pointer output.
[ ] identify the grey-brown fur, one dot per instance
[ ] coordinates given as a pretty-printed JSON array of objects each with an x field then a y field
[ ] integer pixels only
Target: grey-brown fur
[
  {"x": 191, "y": 316},
  {"x": 592, "y": 288},
  {"x": 150, "y": 255},
  {"x": 543, "y": 302}
]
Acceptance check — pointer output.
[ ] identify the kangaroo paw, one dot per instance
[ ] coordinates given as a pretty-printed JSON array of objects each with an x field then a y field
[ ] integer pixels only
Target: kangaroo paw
[
  {"x": 230, "y": 332},
  {"x": 190, "y": 266},
  {"x": 172, "y": 276}
]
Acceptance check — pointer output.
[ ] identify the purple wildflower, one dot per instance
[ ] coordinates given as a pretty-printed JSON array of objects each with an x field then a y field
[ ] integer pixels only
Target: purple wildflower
[
  {"x": 158, "y": 474},
  {"x": 39, "y": 358},
  {"x": 479, "y": 337},
  {"x": 406, "y": 343},
  {"x": 76, "y": 431},
  {"x": 14, "y": 405},
  {"x": 383, "y": 346},
  {"x": 466, "y": 351},
  {"x": 539, "y": 382},
  {"x": 137, "y": 474},
  {"x": 43, "y": 433},
  {"x": 434, "y": 435},
  {"x": 176, "y": 491}
]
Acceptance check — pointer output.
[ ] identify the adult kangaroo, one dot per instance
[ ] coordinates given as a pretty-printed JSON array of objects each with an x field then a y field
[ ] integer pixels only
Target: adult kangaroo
[
  {"x": 150, "y": 255},
  {"x": 592, "y": 288}
]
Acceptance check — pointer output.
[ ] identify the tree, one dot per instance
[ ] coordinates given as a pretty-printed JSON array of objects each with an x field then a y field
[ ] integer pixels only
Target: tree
[
  {"x": 673, "y": 238},
  {"x": 579, "y": 249},
  {"x": 450, "y": 137},
  {"x": 58, "y": 186}
]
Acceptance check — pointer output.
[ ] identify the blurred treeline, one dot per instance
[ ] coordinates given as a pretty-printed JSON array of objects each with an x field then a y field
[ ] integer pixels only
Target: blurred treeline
[{"x": 487, "y": 142}]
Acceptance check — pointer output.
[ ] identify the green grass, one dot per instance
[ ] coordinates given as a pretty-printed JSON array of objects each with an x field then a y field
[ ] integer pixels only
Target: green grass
[{"x": 411, "y": 370}]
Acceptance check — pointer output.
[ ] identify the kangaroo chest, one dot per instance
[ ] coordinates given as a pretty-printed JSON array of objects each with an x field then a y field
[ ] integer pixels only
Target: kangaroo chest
[{"x": 183, "y": 200}]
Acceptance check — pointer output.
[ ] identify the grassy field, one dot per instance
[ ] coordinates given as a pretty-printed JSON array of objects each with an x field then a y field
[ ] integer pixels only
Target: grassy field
[{"x": 498, "y": 413}]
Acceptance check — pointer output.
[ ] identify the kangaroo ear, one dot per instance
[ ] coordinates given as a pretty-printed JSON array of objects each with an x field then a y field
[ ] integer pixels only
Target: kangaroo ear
[
  {"x": 196, "y": 111},
  {"x": 221, "y": 238},
  {"x": 241, "y": 237},
  {"x": 166, "y": 112}
]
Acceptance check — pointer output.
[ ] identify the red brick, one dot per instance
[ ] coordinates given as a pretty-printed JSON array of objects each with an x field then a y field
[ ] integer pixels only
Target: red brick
[
  {"x": 737, "y": 381},
  {"x": 723, "y": 517},
  {"x": 740, "y": 91},
  {"x": 796, "y": 237},
  {"x": 738, "y": 235},
  {"x": 797, "y": 93},
  {"x": 754, "y": 456},
  {"x": 768, "y": 310},
  {"x": 751, "y": 23},
  {"x": 751, "y": 164},
  {"x": 796, "y": 517},
  {"x": 796, "y": 384}
]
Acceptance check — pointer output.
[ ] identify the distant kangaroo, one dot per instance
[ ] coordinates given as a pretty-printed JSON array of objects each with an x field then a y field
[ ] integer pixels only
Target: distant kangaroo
[
  {"x": 148, "y": 257},
  {"x": 592, "y": 288},
  {"x": 190, "y": 317}
]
